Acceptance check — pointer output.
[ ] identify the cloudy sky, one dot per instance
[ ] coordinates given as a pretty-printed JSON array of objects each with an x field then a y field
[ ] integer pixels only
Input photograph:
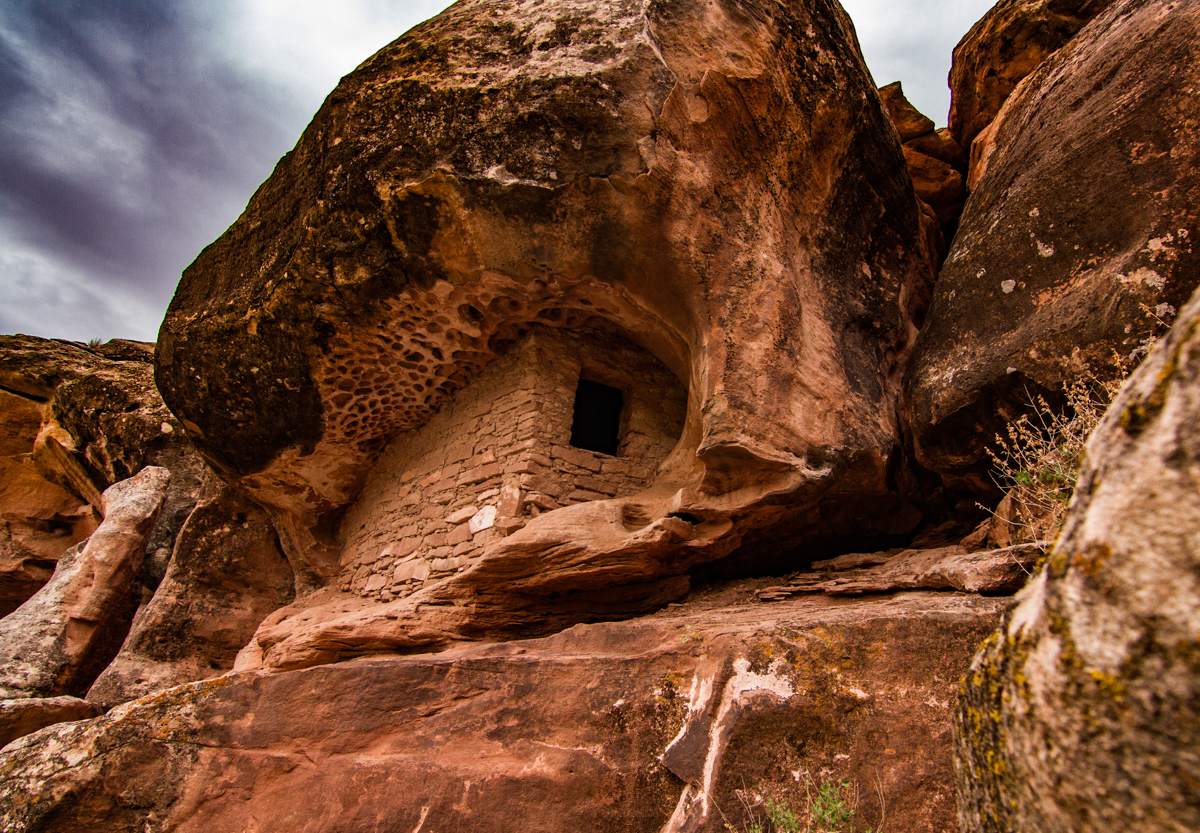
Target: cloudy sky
[{"x": 132, "y": 132}]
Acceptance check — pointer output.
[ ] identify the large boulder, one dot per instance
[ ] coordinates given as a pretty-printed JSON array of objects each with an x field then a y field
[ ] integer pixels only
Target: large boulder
[
  {"x": 59, "y": 640},
  {"x": 669, "y": 723},
  {"x": 1076, "y": 239},
  {"x": 99, "y": 403},
  {"x": 714, "y": 184},
  {"x": 226, "y": 573},
  {"x": 1080, "y": 713},
  {"x": 1007, "y": 44}
]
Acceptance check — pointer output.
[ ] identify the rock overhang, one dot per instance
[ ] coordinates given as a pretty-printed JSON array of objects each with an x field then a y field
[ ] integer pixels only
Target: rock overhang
[{"x": 718, "y": 181}]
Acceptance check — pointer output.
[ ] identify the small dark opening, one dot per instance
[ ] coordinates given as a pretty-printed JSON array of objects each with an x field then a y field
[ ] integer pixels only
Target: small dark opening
[{"x": 597, "y": 422}]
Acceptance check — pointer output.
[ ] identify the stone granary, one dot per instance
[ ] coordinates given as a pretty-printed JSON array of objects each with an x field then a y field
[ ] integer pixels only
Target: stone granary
[
  {"x": 565, "y": 416},
  {"x": 701, "y": 206}
]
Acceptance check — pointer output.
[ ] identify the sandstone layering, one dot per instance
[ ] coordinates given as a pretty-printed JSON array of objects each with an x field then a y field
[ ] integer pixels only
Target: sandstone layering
[{"x": 580, "y": 430}]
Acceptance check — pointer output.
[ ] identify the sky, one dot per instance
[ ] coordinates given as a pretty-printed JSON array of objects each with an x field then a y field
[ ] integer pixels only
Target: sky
[{"x": 133, "y": 132}]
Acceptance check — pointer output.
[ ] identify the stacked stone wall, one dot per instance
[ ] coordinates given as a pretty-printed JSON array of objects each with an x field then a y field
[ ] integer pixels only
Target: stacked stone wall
[{"x": 498, "y": 453}]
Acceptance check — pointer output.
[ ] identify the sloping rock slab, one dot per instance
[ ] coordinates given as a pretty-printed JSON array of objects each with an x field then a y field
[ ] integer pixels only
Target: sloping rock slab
[
  {"x": 61, "y": 638},
  {"x": 563, "y": 733},
  {"x": 910, "y": 122},
  {"x": 25, "y": 716},
  {"x": 225, "y": 575},
  {"x": 991, "y": 571},
  {"x": 1007, "y": 44}
]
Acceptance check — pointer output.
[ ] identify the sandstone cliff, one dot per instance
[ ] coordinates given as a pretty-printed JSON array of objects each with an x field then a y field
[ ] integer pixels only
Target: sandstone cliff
[{"x": 571, "y": 435}]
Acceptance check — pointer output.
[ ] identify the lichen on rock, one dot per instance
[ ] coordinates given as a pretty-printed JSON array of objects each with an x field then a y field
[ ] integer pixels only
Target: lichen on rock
[{"x": 1095, "y": 672}]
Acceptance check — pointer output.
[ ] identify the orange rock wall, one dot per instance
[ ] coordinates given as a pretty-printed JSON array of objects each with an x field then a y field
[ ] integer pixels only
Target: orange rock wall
[{"x": 499, "y": 453}]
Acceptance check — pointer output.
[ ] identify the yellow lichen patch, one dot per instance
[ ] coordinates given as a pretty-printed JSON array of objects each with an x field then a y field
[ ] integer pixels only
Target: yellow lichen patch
[{"x": 1111, "y": 685}]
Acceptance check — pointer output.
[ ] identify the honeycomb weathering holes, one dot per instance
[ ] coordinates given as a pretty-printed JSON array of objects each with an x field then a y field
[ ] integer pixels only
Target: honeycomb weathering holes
[{"x": 419, "y": 352}]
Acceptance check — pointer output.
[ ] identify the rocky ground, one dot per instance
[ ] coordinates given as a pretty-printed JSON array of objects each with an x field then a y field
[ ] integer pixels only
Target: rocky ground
[{"x": 652, "y": 724}]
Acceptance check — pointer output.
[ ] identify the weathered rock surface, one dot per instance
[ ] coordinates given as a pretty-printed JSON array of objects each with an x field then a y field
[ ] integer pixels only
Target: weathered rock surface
[
  {"x": 225, "y": 575},
  {"x": 20, "y": 421},
  {"x": 941, "y": 145},
  {"x": 102, "y": 409},
  {"x": 562, "y": 733},
  {"x": 58, "y": 641},
  {"x": 1081, "y": 712},
  {"x": 79, "y": 418},
  {"x": 1084, "y": 219},
  {"x": 1001, "y": 571},
  {"x": 1007, "y": 44},
  {"x": 717, "y": 182},
  {"x": 910, "y": 122},
  {"x": 38, "y": 519},
  {"x": 19, "y": 718},
  {"x": 937, "y": 184},
  {"x": 100, "y": 421},
  {"x": 934, "y": 159}
]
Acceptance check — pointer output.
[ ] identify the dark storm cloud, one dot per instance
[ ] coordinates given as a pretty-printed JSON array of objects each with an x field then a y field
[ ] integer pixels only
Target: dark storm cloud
[{"x": 125, "y": 146}]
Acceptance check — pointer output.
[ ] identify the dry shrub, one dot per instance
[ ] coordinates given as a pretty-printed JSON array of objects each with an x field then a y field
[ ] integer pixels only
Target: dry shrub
[{"x": 1038, "y": 461}]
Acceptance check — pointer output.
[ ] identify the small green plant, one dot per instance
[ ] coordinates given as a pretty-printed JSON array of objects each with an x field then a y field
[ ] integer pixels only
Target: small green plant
[
  {"x": 783, "y": 820},
  {"x": 95, "y": 342},
  {"x": 829, "y": 807},
  {"x": 829, "y": 810}
]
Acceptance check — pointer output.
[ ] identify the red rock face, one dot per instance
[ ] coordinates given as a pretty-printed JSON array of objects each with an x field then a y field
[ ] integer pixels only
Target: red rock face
[
  {"x": 644, "y": 726},
  {"x": 910, "y": 122},
  {"x": 715, "y": 181},
  {"x": 1007, "y": 43},
  {"x": 1082, "y": 225}
]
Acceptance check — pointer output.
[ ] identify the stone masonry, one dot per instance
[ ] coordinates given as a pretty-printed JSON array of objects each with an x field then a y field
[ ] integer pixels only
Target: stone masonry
[{"x": 499, "y": 453}]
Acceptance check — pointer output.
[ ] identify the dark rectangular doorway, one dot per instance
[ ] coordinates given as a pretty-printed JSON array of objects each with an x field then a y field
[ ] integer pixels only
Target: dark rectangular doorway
[{"x": 597, "y": 422}]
